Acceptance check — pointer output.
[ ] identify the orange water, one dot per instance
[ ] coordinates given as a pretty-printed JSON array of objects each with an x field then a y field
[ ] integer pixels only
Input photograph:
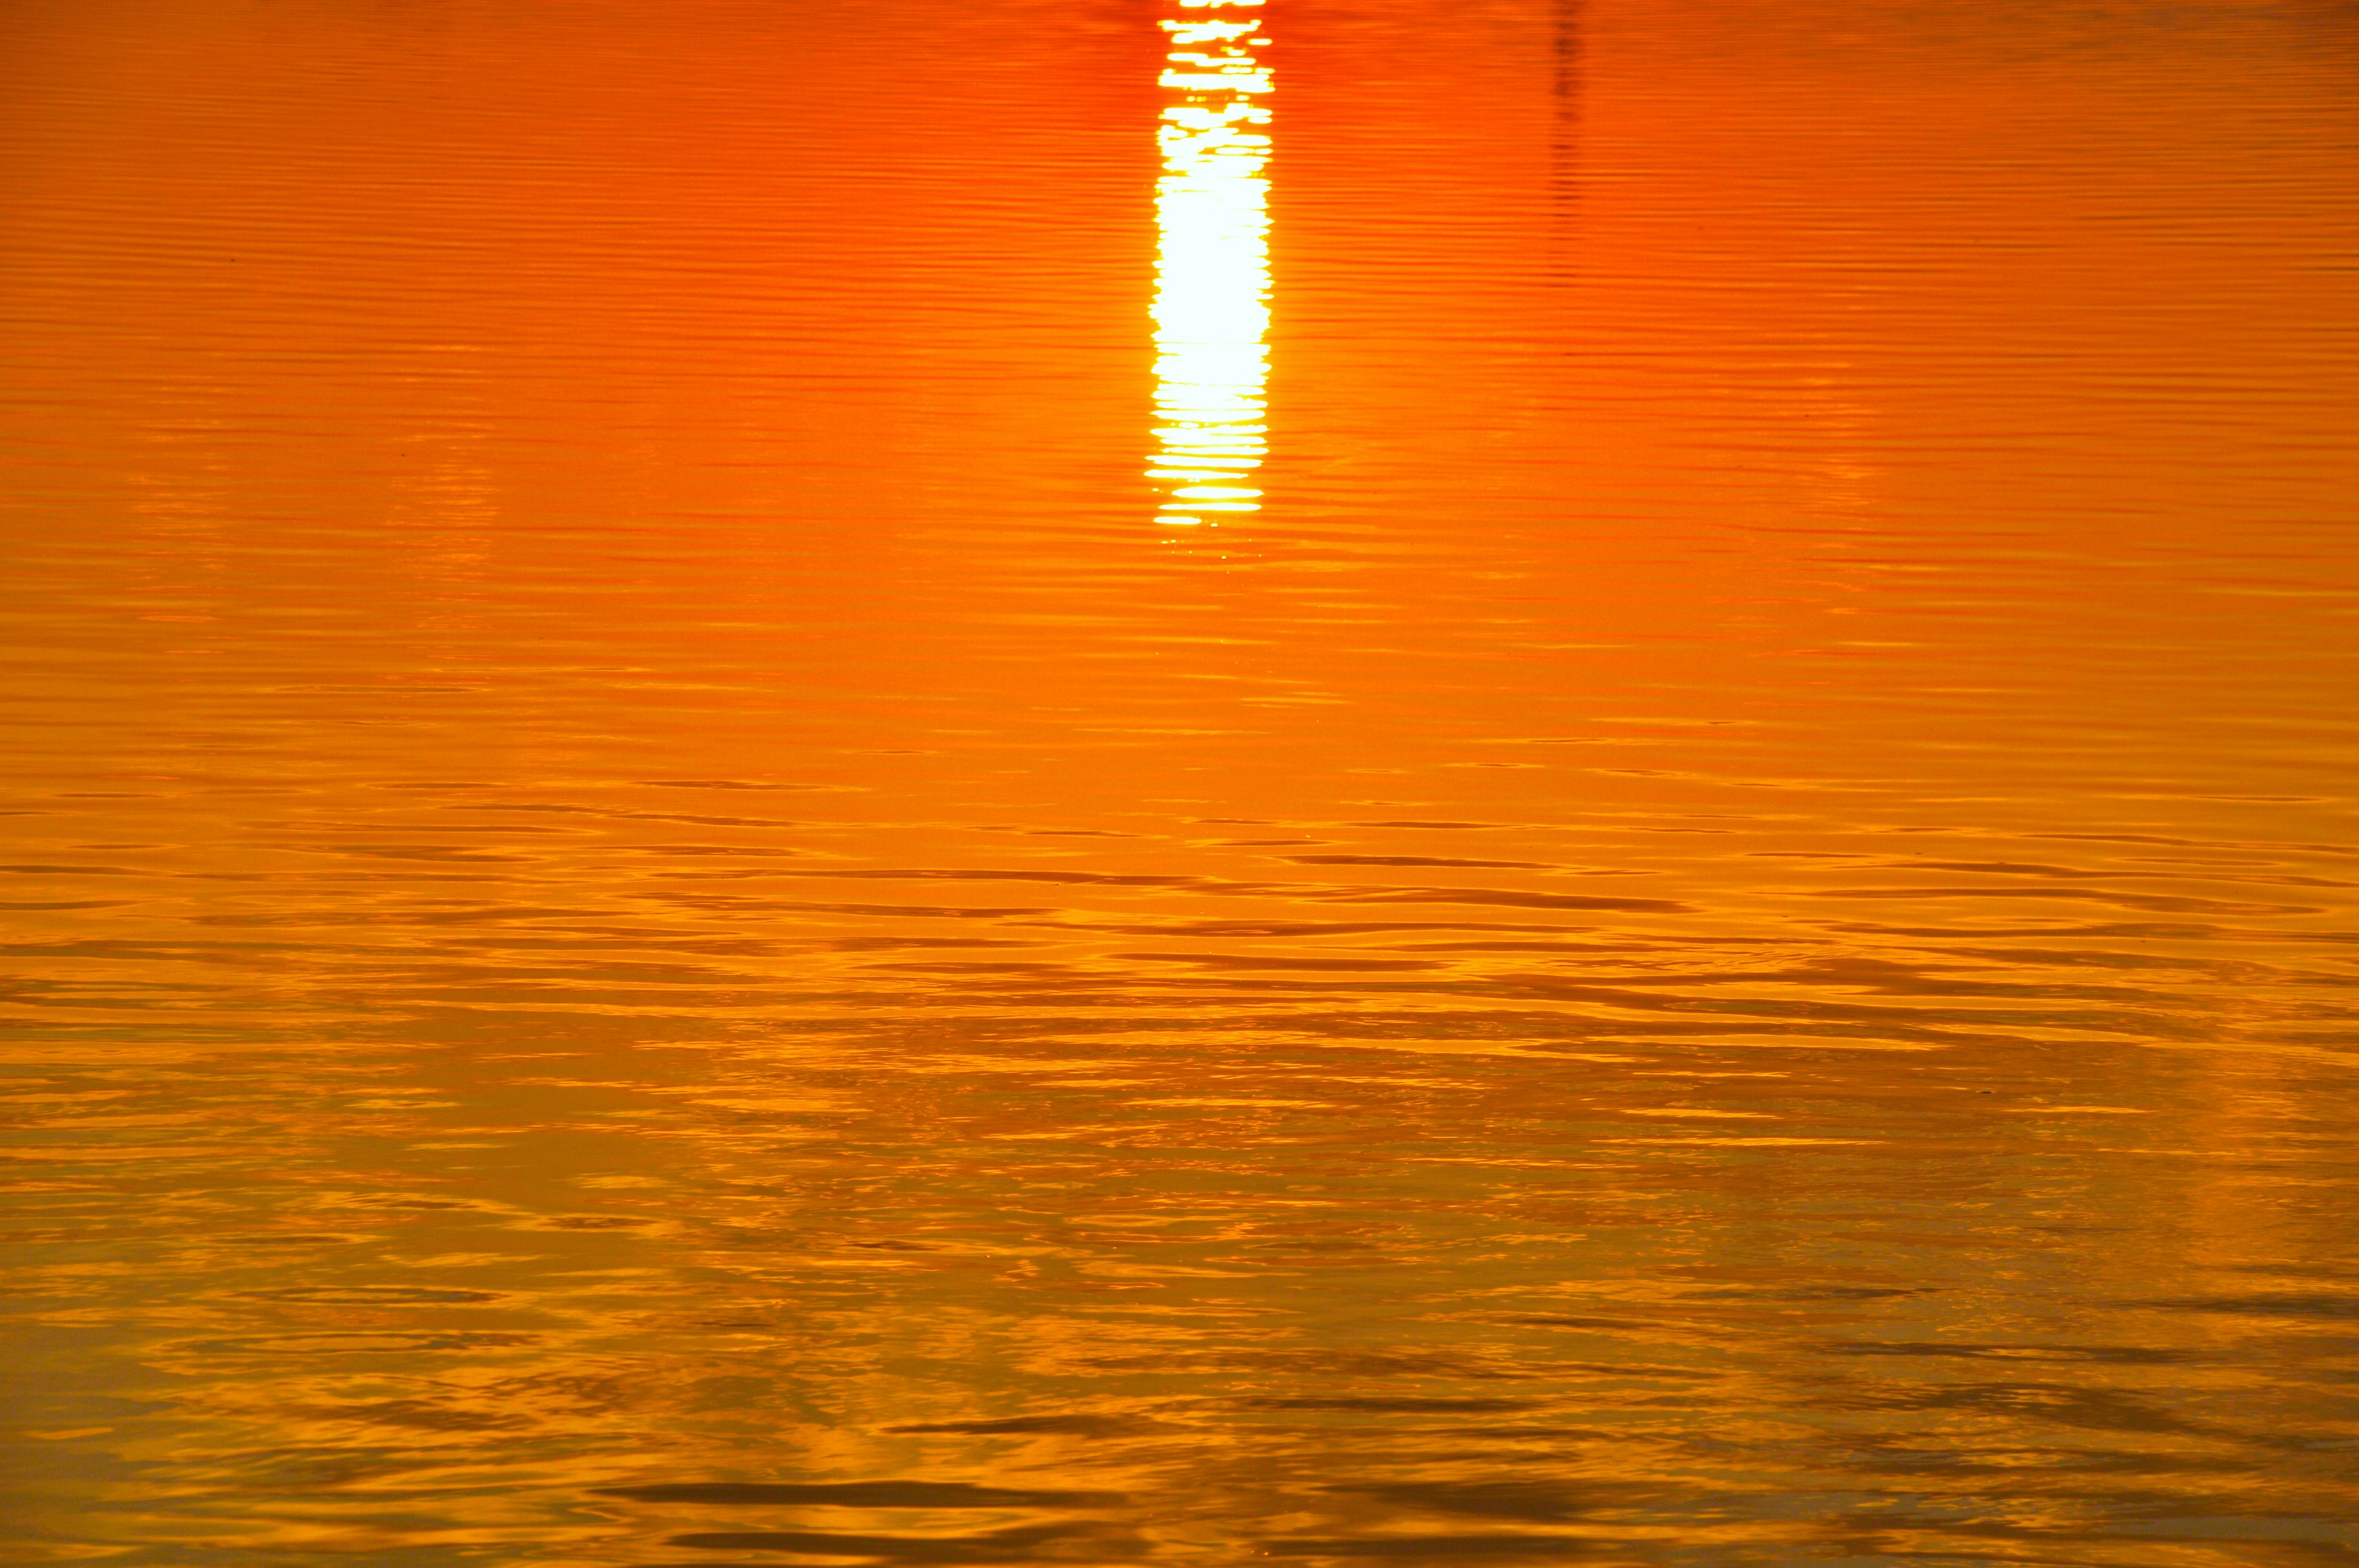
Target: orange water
[{"x": 775, "y": 799}]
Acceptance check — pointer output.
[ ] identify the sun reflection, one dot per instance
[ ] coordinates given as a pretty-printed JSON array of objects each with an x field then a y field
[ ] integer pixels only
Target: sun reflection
[{"x": 1212, "y": 291}]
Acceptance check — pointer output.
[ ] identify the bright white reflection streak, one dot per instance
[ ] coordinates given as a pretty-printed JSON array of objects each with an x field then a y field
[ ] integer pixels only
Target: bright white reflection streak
[{"x": 1212, "y": 290}]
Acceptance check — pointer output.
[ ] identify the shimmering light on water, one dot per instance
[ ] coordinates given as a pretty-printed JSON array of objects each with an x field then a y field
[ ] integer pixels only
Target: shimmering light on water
[
  {"x": 1212, "y": 271},
  {"x": 651, "y": 923}
]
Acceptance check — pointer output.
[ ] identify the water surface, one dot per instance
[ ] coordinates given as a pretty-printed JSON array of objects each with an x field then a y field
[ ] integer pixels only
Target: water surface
[{"x": 901, "y": 782}]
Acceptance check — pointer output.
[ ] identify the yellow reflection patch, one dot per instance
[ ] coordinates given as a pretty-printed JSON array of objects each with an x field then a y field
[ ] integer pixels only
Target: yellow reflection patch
[{"x": 1211, "y": 289}]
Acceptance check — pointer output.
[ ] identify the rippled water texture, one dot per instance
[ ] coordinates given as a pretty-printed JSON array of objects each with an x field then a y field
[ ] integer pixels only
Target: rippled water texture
[{"x": 884, "y": 782}]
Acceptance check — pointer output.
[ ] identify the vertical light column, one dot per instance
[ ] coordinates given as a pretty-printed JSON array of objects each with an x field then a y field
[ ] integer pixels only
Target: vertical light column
[{"x": 1211, "y": 289}]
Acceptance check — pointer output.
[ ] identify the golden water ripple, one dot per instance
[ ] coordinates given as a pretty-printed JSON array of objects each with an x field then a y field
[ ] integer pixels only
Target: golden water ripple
[{"x": 656, "y": 917}]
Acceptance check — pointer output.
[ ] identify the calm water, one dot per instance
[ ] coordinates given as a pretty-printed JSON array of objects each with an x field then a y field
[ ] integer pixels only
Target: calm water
[{"x": 886, "y": 782}]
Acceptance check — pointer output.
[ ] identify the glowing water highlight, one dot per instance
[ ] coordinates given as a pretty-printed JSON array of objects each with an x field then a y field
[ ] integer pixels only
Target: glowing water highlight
[{"x": 1211, "y": 293}]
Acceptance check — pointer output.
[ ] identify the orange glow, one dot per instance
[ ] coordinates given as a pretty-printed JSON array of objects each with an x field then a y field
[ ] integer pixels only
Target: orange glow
[{"x": 1331, "y": 782}]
